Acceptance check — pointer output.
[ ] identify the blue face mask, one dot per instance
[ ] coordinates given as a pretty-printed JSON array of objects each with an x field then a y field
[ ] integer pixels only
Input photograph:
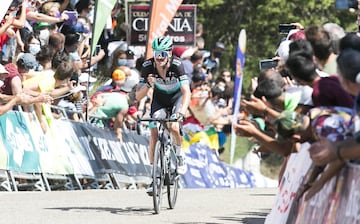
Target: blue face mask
[
  {"x": 122, "y": 62},
  {"x": 130, "y": 63}
]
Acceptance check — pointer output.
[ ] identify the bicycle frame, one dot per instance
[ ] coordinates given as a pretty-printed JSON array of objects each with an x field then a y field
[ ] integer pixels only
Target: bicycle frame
[{"x": 164, "y": 165}]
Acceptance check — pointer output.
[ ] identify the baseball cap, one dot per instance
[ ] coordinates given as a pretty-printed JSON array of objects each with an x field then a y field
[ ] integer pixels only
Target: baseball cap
[
  {"x": 26, "y": 60},
  {"x": 118, "y": 75},
  {"x": 3, "y": 70},
  {"x": 85, "y": 77}
]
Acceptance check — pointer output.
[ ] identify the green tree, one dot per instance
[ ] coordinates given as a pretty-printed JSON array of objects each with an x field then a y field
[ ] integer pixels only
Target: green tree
[{"x": 223, "y": 20}]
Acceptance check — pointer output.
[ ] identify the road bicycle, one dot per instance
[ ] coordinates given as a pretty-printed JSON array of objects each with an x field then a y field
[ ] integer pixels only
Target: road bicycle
[{"x": 164, "y": 170}]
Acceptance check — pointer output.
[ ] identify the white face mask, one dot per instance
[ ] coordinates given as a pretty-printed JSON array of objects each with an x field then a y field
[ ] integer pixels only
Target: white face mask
[
  {"x": 90, "y": 15},
  {"x": 44, "y": 36},
  {"x": 34, "y": 49}
]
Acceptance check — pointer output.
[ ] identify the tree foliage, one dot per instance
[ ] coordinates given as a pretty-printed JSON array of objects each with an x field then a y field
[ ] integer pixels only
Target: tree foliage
[{"x": 223, "y": 20}]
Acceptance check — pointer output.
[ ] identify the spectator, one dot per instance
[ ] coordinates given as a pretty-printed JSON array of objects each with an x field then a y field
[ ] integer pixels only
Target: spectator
[
  {"x": 212, "y": 62},
  {"x": 327, "y": 91},
  {"x": 57, "y": 41},
  {"x": 57, "y": 86},
  {"x": 336, "y": 33},
  {"x": 44, "y": 57},
  {"x": 118, "y": 78},
  {"x": 13, "y": 81},
  {"x": 32, "y": 45},
  {"x": 111, "y": 106},
  {"x": 322, "y": 45},
  {"x": 194, "y": 63},
  {"x": 325, "y": 151}
]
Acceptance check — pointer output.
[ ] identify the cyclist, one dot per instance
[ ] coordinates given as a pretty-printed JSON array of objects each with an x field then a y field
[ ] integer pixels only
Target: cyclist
[{"x": 165, "y": 74}]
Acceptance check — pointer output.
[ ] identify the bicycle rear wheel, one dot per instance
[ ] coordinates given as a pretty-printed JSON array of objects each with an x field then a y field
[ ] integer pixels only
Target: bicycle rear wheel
[
  {"x": 158, "y": 177},
  {"x": 172, "y": 180}
]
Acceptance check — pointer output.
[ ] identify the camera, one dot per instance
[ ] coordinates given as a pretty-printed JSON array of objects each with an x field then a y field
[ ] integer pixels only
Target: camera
[
  {"x": 285, "y": 28},
  {"x": 267, "y": 64},
  {"x": 346, "y": 4}
]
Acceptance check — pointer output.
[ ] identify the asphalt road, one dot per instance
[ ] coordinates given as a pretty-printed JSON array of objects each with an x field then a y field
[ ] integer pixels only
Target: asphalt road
[{"x": 210, "y": 206}]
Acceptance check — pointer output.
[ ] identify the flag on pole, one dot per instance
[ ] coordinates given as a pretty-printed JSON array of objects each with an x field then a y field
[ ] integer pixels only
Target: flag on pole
[
  {"x": 102, "y": 11},
  {"x": 240, "y": 62},
  {"x": 161, "y": 14}
]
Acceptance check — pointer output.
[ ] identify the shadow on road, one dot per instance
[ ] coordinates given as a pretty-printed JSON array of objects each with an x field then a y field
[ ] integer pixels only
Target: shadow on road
[
  {"x": 250, "y": 217},
  {"x": 120, "y": 211}
]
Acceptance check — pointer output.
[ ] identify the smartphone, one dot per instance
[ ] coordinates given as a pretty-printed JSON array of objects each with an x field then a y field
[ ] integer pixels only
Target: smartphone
[
  {"x": 285, "y": 28},
  {"x": 346, "y": 4},
  {"x": 267, "y": 64},
  {"x": 73, "y": 15}
]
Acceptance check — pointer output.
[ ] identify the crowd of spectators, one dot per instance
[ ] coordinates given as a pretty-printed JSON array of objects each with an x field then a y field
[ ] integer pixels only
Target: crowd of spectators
[
  {"x": 309, "y": 96},
  {"x": 47, "y": 68}
]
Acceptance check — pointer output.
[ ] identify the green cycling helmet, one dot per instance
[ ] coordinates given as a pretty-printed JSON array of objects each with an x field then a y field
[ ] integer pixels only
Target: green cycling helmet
[{"x": 162, "y": 44}]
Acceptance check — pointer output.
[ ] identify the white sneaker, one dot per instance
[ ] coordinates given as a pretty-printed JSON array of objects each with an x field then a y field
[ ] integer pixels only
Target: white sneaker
[{"x": 181, "y": 166}]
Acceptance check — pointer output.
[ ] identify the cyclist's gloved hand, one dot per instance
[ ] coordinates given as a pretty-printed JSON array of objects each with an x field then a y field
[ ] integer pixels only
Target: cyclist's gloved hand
[
  {"x": 173, "y": 117},
  {"x": 178, "y": 116}
]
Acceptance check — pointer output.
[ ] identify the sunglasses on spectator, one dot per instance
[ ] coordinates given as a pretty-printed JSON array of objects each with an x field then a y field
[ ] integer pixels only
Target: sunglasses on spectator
[
  {"x": 162, "y": 54},
  {"x": 130, "y": 53}
]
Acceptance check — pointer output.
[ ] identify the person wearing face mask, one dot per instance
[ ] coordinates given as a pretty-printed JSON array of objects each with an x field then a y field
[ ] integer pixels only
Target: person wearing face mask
[
  {"x": 193, "y": 64},
  {"x": 119, "y": 59},
  {"x": 72, "y": 42},
  {"x": 212, "y": 62},
  {"x": 32, "y": 45}
]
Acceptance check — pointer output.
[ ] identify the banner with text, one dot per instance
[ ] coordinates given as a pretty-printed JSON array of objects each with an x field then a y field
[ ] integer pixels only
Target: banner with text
[
  {"x": 205, "y": 170},
  {"x": 22, "y": 152},
  {"x": 107, "y": 155},
  {"x": 181, "y": 28}
]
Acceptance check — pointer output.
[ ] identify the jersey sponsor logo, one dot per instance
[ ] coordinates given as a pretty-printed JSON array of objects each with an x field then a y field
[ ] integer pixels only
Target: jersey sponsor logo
[
  {"x": 169, "y": 85},
  {"x": 147, "y": 63},
  {"x": 176, "y": 62},
  {"x": 183, "y": 77}
]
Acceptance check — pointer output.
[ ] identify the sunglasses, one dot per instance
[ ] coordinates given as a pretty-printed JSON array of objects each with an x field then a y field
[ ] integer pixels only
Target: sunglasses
[
  {"x": 130, "y": 53},
  {"x": 162, "y": 54}
]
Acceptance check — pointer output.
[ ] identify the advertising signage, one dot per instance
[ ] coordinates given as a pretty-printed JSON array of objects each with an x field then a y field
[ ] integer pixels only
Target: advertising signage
[{"x": 181, "y": 28}]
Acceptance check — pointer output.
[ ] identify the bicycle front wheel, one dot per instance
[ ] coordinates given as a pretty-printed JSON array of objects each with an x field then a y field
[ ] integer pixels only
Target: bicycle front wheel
[
  {"x": 172, "y": 180},
  {"x": 158, "y": 177}
]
